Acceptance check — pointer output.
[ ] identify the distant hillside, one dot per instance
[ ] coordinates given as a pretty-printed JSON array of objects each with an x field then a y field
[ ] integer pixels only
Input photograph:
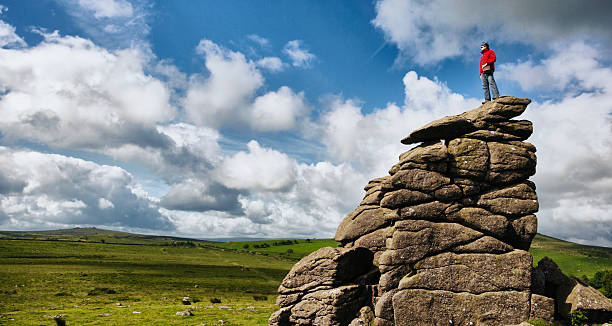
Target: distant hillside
[
  {"x": 574, "y": 259},
  {"x": 91, "y": 235}
]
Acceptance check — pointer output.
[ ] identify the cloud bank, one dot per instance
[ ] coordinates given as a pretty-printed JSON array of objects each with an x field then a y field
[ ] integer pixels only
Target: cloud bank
[
  {"x": 428, "y": 32},
  {"x": 142, "y": 116}
]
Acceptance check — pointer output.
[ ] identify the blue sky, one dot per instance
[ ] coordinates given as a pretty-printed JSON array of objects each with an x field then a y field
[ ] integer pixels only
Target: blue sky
[{"x": 266, "y": 118}]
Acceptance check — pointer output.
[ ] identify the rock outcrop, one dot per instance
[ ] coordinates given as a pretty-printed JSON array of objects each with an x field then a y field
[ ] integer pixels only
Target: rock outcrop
[{"x": 440, "y": 240}]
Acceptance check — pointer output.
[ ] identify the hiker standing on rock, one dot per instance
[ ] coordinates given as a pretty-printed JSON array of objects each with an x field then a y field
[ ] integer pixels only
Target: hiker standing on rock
[{"x": 487, "y": 67}]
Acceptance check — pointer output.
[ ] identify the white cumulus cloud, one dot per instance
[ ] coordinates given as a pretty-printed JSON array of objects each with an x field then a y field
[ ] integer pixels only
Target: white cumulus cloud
[
  {"x": 299, "y": 56},
  {"x": 572, "y": 68},
  {"x": 99, "y": 100},
  {"x": 59, "y": 191},
  {"x": 273, "y": 64},
  {"x": 227, "y": 96},
  {"x": 230, "y": 86},
  {"x": 108, "y": 8},
  {"x": 278, "y": 110},
  {"x": 262, "y": 41},
  {"x": 258, "y": 169},
  {"x": 8, "y": 36}
]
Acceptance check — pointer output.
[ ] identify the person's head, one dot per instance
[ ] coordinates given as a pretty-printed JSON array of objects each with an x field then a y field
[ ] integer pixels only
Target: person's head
[{"x": 484, "y": 46}]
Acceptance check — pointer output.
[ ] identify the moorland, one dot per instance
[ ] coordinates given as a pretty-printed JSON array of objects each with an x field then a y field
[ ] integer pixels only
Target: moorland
[{"x": 92, "y": 276}]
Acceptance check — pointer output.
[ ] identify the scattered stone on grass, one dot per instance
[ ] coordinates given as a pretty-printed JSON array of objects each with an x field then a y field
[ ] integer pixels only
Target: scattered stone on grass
[
  {"x": 225, "y": 307},
  {"x": 184, "y": 313},
  {"x": 136, "y": 312},
  {"x": 186, "y": 301},
  {"x": 59, "y": 319}
]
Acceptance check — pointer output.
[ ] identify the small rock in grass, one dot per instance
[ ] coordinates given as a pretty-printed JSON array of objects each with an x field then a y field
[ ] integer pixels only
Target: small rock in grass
[
  {"x": 136, "y": 312},
  {"x": 184, "y": 313},
  {"x": 225, "y": 307}
]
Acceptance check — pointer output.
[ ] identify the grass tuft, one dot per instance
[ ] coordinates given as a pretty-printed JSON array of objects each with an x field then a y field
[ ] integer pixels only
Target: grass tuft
[{"x": 99, "y": 291}]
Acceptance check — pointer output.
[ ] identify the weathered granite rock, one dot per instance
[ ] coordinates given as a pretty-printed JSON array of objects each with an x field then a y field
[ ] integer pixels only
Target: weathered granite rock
[
  {"x": 363, "y": 222},
  {"x": 374, "y": 241},
  {"x": 446, "y": 234},
  {"x": 451, "y": 127},
  {"x": 542, "y": 308},
  {"x": 585, "y": 298},
  {"x": 366, "y": 317},
  {"x": 445, "y": 128},
  {"x": 473, "y": 273},
  {"x": 482, "y": 220},
  {"x": 325, "y": 269},
  {"x": 518, "y": 200},
  {"x": 372, "y": 198},
  {"x": 425, "y": 307},
  {"x": 485, "y": 244},
  {"x": 469, "y": 158},
  {"x": 448, "y": 193},
  {"x": 503, "y": 131},
  {"x": 384, "y": 306},
  {"x": 571, "y": 295},
  {"x": 421, "y": 180},
  {"x": 413, "y": 240},
  {"x": 391, "y": 278},
  {"x": 425, "y": 153},
  {"x": 375, "y": 182},
  {"x": 523, "y": 230},
  {"x": 280, "y": 317},
  {"x": 335, "y": 307},
  {"x": 511, "y": 162},
  {"x": 432, "y": 211}
]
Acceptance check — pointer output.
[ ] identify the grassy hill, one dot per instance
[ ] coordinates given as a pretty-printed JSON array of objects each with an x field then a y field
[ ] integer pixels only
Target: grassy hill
[
  {"x": 90, "y": 235},
  {"x": 101, "y": 277}
]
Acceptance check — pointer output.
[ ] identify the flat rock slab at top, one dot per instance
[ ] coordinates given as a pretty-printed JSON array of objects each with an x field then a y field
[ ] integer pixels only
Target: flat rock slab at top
[{"x": 450, "y": 127}]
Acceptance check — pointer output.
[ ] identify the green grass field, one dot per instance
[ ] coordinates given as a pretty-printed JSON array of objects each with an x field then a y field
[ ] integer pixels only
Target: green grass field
[
  {"x": 41, "y": 278},
  {"x": 574, "y": 259},
  {"x": 149, "y": 276}
]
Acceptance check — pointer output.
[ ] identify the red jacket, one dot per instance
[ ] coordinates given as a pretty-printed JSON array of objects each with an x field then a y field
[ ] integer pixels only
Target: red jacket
[{"x": 487, "y": 57}]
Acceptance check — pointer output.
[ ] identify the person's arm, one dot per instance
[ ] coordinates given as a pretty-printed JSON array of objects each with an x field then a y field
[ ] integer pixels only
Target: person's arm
[{"x": 491, "y": 57}]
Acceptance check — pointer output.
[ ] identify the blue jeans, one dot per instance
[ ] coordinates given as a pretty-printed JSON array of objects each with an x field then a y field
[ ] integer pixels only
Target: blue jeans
[{"x": 489, "y": 81}]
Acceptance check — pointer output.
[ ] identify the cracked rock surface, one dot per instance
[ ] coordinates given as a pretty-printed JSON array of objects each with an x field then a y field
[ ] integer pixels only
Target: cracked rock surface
[{"x": 442, "y": 239}]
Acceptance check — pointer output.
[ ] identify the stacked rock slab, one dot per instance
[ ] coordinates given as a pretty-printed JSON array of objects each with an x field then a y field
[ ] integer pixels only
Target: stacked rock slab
[
  {"x": 448, "y": 229},
  {"x": 456, "y": 216}
]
